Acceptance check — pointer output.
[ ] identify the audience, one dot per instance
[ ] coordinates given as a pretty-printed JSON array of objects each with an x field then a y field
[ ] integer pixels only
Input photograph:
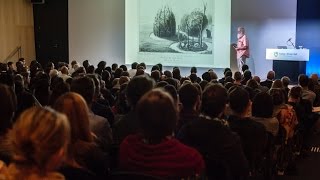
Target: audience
[
  {"x": 117, "y": 109},
  {"x": 211, "y": 136},
  {"x": 154, "y": 150}
]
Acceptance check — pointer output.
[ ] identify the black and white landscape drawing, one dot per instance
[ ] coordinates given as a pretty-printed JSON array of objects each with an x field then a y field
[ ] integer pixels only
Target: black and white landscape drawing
[{"x": 176, "y": 26}]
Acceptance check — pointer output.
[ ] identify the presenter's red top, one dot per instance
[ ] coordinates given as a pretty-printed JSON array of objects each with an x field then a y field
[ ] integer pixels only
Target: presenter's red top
[{"x": 243, "y": 42}]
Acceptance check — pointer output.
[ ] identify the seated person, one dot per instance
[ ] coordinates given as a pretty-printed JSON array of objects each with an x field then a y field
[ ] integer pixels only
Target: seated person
[
  {"x": 262, "y": 109},
  {"x": 154, "y": 150},
  {"x": 213, "y": 139},
  {"x": 39, "y": 141},
  {"x": 253, "y": 135}
]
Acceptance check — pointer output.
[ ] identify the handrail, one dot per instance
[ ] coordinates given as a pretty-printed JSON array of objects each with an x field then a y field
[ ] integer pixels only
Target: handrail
[{"x": 13, "y": 53}]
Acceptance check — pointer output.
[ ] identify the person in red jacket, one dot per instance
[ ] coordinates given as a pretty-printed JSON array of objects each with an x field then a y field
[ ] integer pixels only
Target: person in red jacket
[{"x": 154, "y": 150}]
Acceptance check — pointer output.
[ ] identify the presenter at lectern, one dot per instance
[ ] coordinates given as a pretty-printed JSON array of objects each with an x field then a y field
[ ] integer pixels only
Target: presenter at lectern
[{"x": 242, "y": 48}]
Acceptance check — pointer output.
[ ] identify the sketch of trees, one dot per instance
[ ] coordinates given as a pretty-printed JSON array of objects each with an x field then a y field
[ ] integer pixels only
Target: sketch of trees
[{"x": 165, "y": 23}]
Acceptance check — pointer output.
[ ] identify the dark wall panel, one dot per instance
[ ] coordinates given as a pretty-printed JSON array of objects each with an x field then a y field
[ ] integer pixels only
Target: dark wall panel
[{"x": 51, "y": 31}]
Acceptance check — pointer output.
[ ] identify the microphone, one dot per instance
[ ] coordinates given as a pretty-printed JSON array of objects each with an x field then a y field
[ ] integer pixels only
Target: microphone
[{"x": 289, "y": 39}]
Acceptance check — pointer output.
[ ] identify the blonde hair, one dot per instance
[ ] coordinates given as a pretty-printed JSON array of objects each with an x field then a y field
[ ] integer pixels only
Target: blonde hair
[{"x": 38, "y": 135}]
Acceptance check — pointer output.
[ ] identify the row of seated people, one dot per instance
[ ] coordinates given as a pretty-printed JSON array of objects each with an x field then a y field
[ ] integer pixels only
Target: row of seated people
[{"x": 215, "y": 127}]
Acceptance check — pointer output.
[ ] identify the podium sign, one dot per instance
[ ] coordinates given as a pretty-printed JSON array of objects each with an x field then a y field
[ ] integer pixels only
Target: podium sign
[{"x": 288, "y": 54}]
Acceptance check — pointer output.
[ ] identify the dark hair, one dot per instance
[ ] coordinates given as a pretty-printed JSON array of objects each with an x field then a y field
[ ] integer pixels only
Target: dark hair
[
  {"x": 238, "y": 99},
  {"x": 262, "y": 105},
  {"x": 295, "y": 92},
  {"x": 161, "y": 84},
  {"x": 90, "y": 69},
  {"x": 203, "y": 84},
  {"x": 193, "y": 78},
  {"x": 214, "y": 99},
  {"x": 114, "y": 66},
  {"x": 156, "y": 75},
  {"x": 125, "y": 73},
  {"x": 85, "y": 87},
  {"x": 244, "y": 67},
  {"x": 237, "y": 76},
  {"x": 85, "y": 63},
  {"x": 176, "y": 74},
  {"x": 168, "y": 74},
  {"x": 8, "y": 105},
  {"x": 157, "y": 115},
  {"x": 139, "y": 72},
  {"x": 226, "y": 70},
  {"x": 123, "y": 67},
  {"x": 228, "y": 74},
  {"x": 277, "y": 96},
  {"x": 206, "y": 76},
  {"x": 155, "y": 67},
  {"x": 60, "y": 89},
  {"x": 252, "y": 84},
  {"x": 118, "y": 72},
  {"x": 137, "y": 87},
  {"x": 247, "y": 75},
  {"x": 160, "y": 66},
  {"x": 188, "y": 94},
  {"x": 172, "y": 82},
  {"x": 193, "y": 70},
  {"x": 172, "y": 91},
  {"x": 134, "y": 65},
  {"x": 303, "y": 80}
]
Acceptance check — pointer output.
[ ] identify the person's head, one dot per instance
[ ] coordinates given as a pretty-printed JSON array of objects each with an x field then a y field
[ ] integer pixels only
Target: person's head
[
  {"x": 75, "y": 108},
  {"x": 277, "y": 84},
  {"x": 213, "y": 75},
  {"x": 137, "y": 87},
  {"x": 262, "y": 105},
  {"x": 176, "y": 74},
  {"x": 39, "y": 139},
  {"x": 295, "y": 93},
  {"x": 97, "y": 85},
  {"x": 257, "y": 79},
  {"x": 214, "y": 99},
  {"x": 189, "y": 96},
  {"x": 244, "y": 67},
  {"x": 303, "y": 80},
  {"x": 247, "y": 74},
  {"x": 239, "y": 100},
  {"x": 90, "y": 69},
  {"x": 8, "y": 105},
  {"x": 237, "y": 76},
  {"x": 143, "y": 65},
  {"x": 172, "y": 82},
  {"x": 74, "y": 62},
  {"x": 193, "y": 77},
  {"x": 203, "y": 84},
  {"x": 285, "y": 81},
  {"x": 123, "y": 79},
  {"x": 156, "y": 75},
  {"x": 160, "y": 66},
  {"x": 155, "y": 67},
  {"x": 206, "y": 76},
  {"x": 173, "y": 92},
  {"x": 168, "y": 74},
  {"x": 117, "y": 72},
  {"x": 59, "y": 89},
  {"x": 277, "y": 95},
  {"x": 228, "y": 74},
  {"x": 123, "y": 67},
  {"x": 139, "y": 72},
  {"x": 134, "y": 65},
  {"x": 241, "y": 31},
  {"x": 101, "y": 65},
  {"x": 252, "y": 84},
  {"x": 157, "y": 115},
  {"x": 64, "y": 70},
  {"x": 85, "y": 87},
  {"x": 193, "y": 70},
  {"x": 271, "y": 75},
  {"x": 314, "y": 78},
  {"x": 85, "y": 64},
  {"x": 161, "y": 84},
  {"x": 10, "y": 65}
]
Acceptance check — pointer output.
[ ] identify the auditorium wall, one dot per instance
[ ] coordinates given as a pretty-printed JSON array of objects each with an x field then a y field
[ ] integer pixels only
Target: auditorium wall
[{"x": 16, "y": 29}]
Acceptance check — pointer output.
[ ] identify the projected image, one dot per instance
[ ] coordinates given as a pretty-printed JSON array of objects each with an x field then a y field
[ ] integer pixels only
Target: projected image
[{"x": 176, "y": 26}]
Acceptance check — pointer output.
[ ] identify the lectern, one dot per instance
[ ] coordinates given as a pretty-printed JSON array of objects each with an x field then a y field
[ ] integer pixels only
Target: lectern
[{"x": 288, "y": 62}]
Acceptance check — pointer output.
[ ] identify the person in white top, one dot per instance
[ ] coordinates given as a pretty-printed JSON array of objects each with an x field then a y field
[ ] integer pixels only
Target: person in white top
[{"x": 132, "y": 72}]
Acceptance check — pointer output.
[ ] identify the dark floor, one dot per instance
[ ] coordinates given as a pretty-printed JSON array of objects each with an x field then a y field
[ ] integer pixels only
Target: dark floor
[{"x": 308, "y": 167}]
